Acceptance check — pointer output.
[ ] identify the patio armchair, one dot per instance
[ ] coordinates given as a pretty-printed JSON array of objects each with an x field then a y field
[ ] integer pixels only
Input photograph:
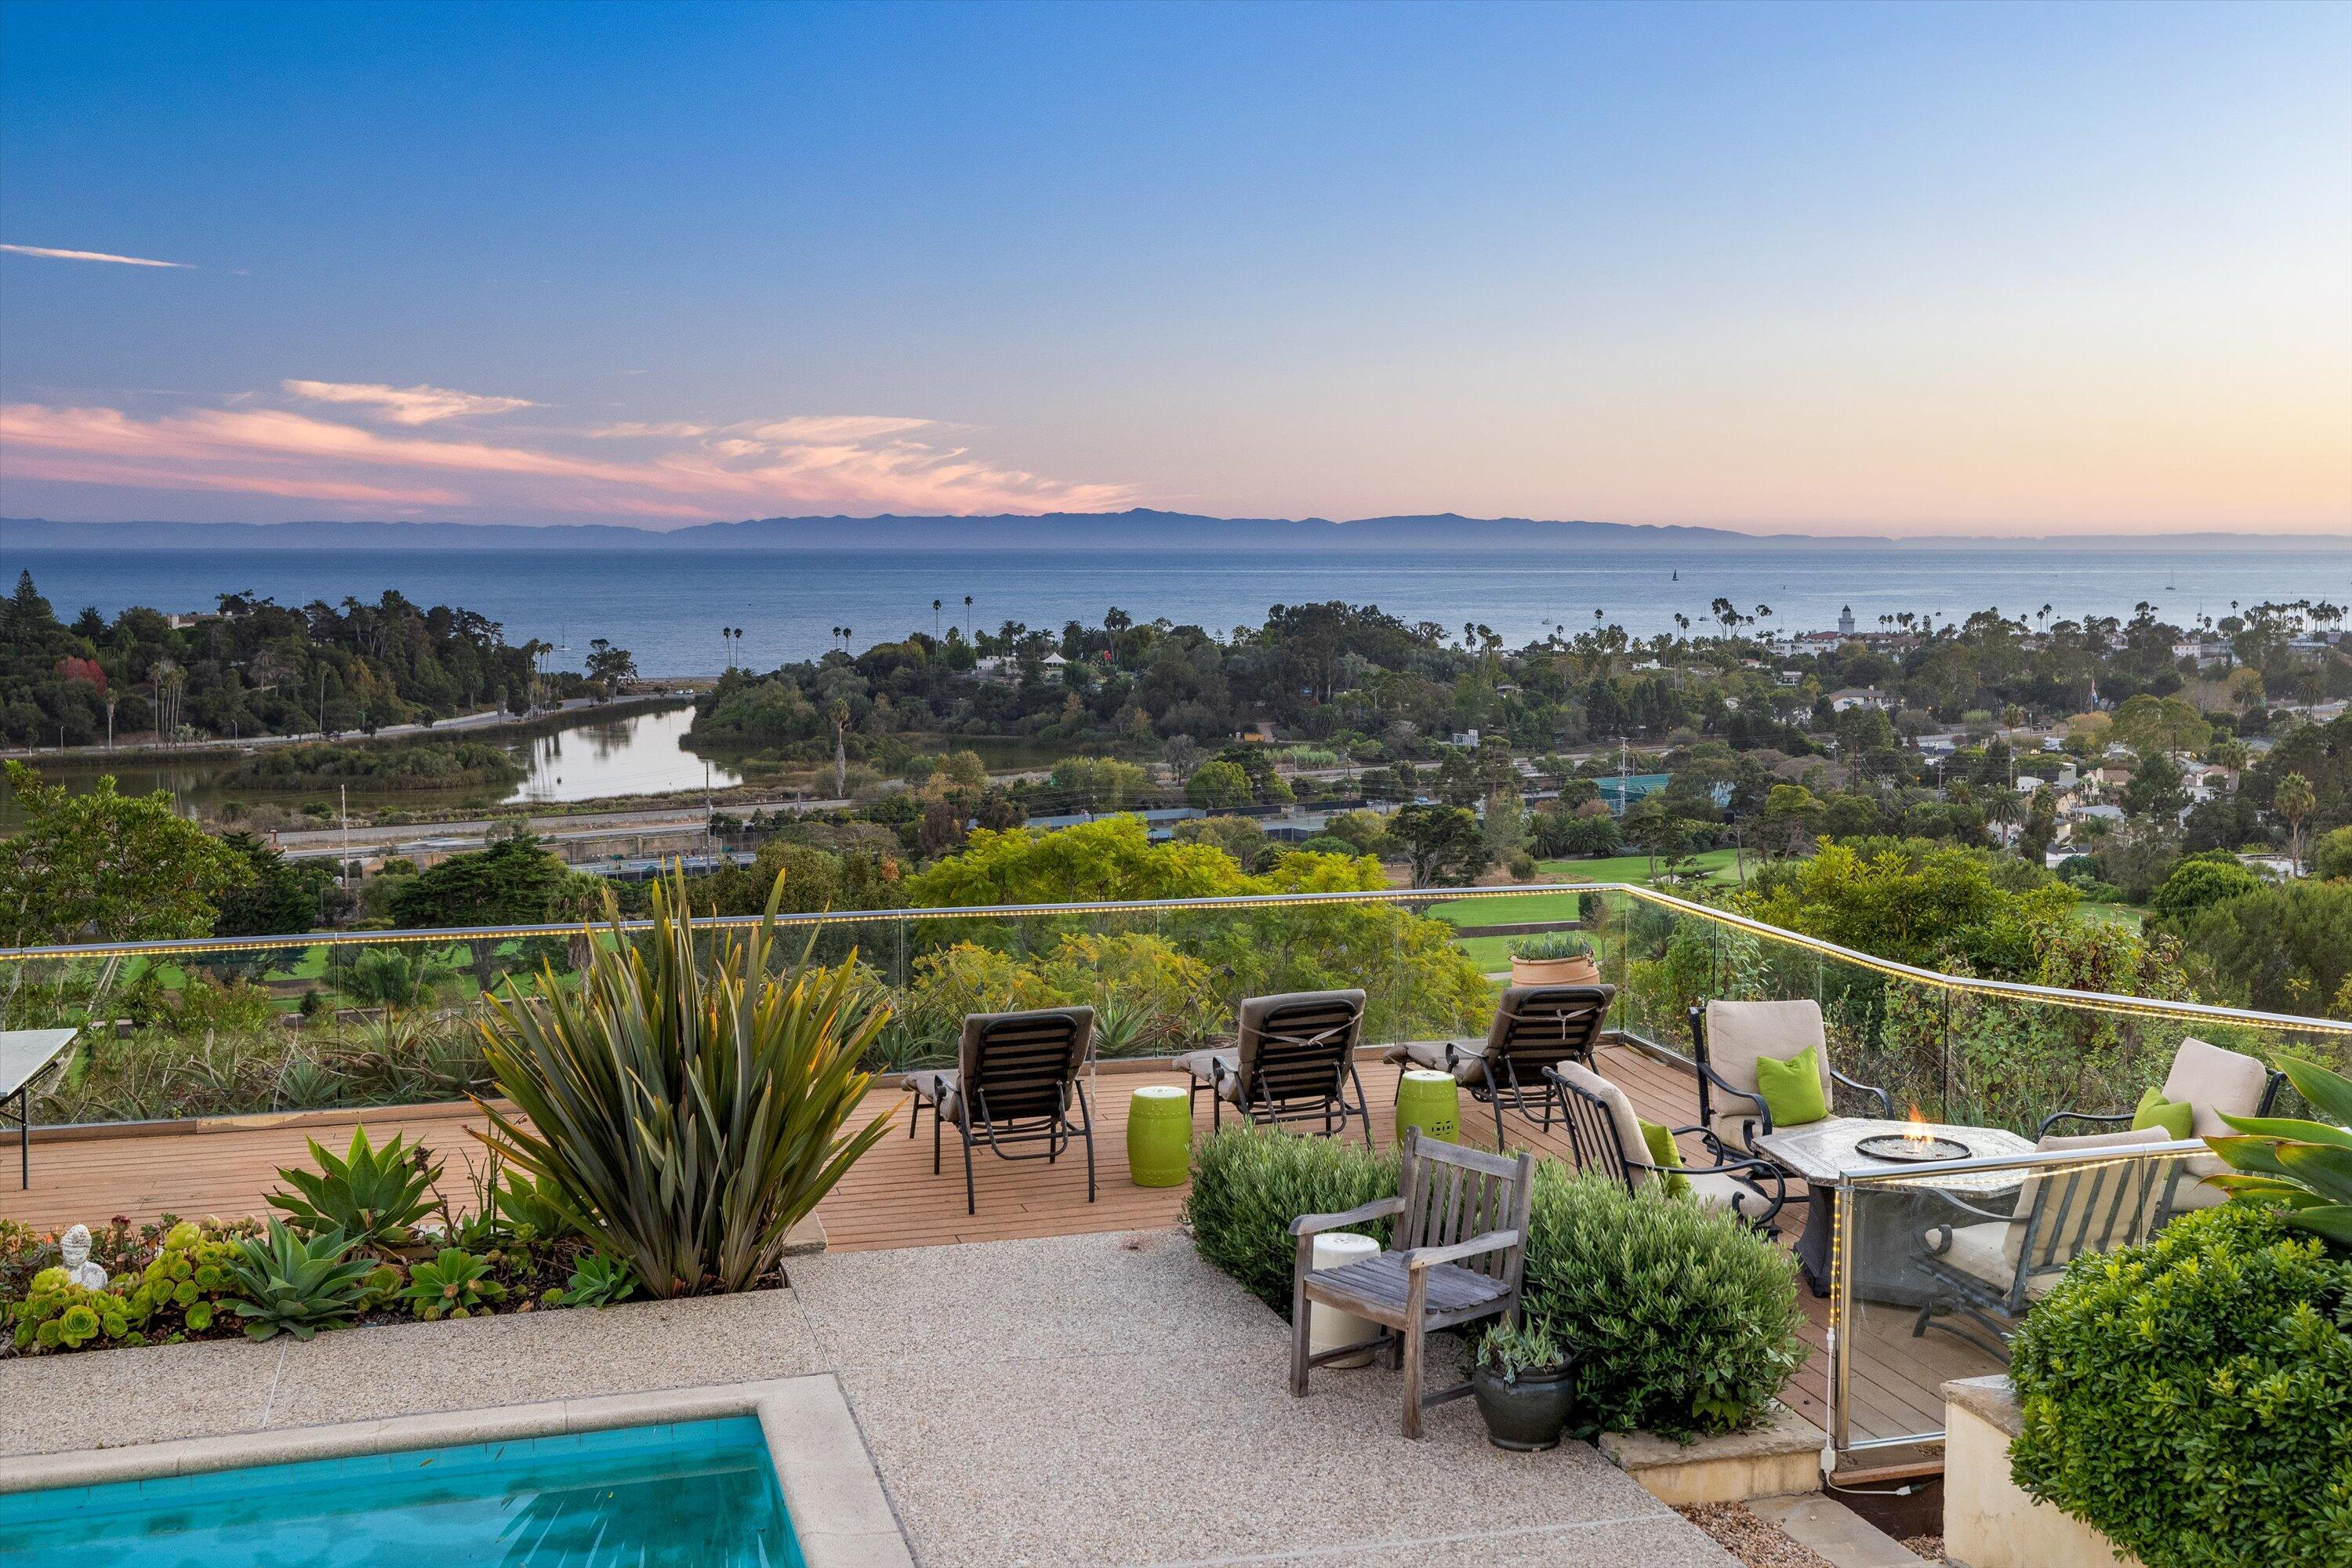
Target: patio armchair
[
  {"x": 1728, "y": 1038},
  {"x": 1293, "y": 1059},
  {"x": 2213, "y": 1081},
  {"x": 1536, "y": 1029},
  {"x": 1607, "y": 1137},
  {"x": 1987, "y": 1267},
  {"x": 1016, "y": 1081},
  {"x": 1456, "y": 1252}
]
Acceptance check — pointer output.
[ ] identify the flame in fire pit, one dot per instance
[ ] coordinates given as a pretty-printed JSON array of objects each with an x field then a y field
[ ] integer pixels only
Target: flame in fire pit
[{"x": 1915, "y": 1134}]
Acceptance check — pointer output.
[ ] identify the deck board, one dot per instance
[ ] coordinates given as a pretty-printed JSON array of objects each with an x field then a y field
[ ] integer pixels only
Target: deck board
[{"x": 890, "y": 1199}]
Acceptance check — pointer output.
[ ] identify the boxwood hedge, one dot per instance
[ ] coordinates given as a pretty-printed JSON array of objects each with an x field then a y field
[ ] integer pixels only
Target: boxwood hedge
[{"x": 2191, "y": 1397}]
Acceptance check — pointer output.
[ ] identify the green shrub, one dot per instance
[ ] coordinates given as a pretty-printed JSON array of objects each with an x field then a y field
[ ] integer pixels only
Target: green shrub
[
  {"x": 1684, "y": 1321},
  {"x": 1526, "y": 1348},
  {"x": 2191, "y": 1397},
  {"x": 1248, "y": 1185}
]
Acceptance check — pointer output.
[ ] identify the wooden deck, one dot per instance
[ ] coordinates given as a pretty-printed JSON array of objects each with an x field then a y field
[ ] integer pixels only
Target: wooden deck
[{"x": 890, "y": 1199}]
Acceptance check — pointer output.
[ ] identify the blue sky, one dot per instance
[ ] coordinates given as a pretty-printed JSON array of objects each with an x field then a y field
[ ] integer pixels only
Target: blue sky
[{"x": 1834, "y": 269}]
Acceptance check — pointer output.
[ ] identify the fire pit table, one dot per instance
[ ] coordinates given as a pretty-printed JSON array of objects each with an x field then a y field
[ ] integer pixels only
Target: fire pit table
[{"x": 1823, "y": 1153}]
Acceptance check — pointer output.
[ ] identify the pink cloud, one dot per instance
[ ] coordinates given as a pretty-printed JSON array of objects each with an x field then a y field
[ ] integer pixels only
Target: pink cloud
[{"x": 846, "y": 463}]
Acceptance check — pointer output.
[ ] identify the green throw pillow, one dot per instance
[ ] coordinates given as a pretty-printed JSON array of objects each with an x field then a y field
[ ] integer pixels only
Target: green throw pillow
[
  {"x": 2175, "y": 1116},
  {"x": 1664, "y": 1156},
  {"x": 1791, "y": 1090}
]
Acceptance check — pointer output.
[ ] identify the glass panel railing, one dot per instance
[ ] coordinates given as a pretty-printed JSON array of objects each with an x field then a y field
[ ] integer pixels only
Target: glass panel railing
[
  {"x": 1934, "y": 1266},
  {"x": 373, "y": 1017}
]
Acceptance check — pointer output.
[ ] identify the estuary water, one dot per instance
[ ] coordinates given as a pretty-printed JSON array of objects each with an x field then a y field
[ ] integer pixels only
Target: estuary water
[{"x": 667, "y": 605}]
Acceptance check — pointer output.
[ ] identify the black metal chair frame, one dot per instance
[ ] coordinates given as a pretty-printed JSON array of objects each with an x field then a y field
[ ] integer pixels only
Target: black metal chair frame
[
  {"x": 1993, "y": 1313},
  {"x": 2271, "y": 1087},
  {"x": 1295, "y": 1077},
  {"x": 1592, "y": 1135},
  {"x": 1749, "y": 1127},
  {"x": 1033, "y": 1073},
  {"x": 1536, "y": 1024}
]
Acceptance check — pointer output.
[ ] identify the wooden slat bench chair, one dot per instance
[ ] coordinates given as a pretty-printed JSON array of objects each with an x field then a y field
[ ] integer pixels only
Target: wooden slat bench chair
[
  {"x": 1293, "y": 1060},
  {"x": 1607, "y": 1137},
  {"x": 1535, "y": 1027},
  {"x": 1457, "y": 1248},
  {"x": 1016, "y": 1080}
]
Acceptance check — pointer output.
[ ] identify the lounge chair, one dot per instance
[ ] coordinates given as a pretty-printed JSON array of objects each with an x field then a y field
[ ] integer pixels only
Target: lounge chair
[
  {"x": 2213, "y": 1081},
  {"x": 1293, "y": 1059},
  {"x": 1987, "y": 1268},
  {"x": 1607, "y": 1137},
  {"x": 1457, "y": 1251},
  {"x": 1016, "y": 1081},
  {"x": 1536, "y": 1027},
  {"x": 1727, "y": 1037}
]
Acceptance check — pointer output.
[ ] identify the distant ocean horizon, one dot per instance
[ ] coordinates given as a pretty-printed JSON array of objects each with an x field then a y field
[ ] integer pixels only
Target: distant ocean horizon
[{"x": 667, "y": 605}]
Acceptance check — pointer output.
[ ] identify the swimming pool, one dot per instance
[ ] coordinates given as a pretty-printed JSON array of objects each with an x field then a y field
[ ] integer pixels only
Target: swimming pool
[{"x": 691, "y": 1493}]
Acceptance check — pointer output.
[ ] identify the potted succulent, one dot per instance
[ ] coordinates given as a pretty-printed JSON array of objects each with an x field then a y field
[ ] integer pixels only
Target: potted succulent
[
  {"x": 1553, "y": 958},
  {"x": 1523, "y": 1386}
]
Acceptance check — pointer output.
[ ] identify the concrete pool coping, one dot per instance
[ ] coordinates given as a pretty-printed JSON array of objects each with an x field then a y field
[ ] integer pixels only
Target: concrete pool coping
[{"x": 832, "y": 1489}]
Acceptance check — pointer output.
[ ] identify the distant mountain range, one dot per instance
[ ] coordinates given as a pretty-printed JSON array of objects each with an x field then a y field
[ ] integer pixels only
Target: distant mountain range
[{"x": 1138, "y": 530}]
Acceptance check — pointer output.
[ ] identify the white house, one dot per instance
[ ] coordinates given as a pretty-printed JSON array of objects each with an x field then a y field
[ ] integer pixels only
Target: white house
[{"x": 1852, "y": 696}]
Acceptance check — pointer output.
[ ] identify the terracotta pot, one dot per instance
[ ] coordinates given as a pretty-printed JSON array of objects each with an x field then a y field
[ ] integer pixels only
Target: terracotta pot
[
  {"x": 1555, "y": 970},
  {"x": 1527, "y": 1415}
]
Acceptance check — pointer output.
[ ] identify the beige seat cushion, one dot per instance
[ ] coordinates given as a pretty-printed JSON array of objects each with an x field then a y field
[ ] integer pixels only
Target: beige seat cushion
[
  {"x": 1628, "y": 1126},
  {"x": 2213, "y": 1080},
  {"x": 2194, "y": 1194},
  {"x": 1737, "y": 1032},
  {"x": 938, "y": 1084},
  {"x": 1725, "y": 1190},
  {"x": 1983, "y": 1251}
]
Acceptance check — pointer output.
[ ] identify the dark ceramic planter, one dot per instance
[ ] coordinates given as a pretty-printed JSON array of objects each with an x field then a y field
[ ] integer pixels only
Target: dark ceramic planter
[{"x": 1525, "y": 1416}]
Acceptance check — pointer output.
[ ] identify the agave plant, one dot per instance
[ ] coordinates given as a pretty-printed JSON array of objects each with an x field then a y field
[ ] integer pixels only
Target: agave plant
[
  {"x": 2304, "y": 1167},
  {"x": 455, "y": 1284},
  {"x": 297, "y": 1286},
  {"x": 372, "y": 1196},
  {"x": 684, "y": 1111}
]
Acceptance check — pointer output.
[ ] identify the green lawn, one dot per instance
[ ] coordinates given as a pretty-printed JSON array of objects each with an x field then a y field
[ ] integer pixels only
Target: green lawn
[
  {"x": 1719, "y": 864},
  {"x": 2127, "y": 915}
]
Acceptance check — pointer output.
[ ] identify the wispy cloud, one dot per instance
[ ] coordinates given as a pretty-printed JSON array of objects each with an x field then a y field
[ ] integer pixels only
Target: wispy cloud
[
  {"x": 404, "y": 404},
  {"x": 849, "y": 463},
  {"x": 56, "y": 255},
  {"x": 630, "y": 428},
  {"x": 834, "y": 427}
]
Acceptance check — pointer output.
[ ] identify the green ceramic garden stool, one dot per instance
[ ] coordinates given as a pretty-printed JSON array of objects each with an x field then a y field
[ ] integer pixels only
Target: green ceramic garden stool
[
  {"x": 1431, "y": 1101},
  {"x": 1159, "y": 1136}
]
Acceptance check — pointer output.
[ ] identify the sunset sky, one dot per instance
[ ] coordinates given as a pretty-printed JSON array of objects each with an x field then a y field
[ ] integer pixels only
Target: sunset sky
[{"x": 1843, "y": 269}]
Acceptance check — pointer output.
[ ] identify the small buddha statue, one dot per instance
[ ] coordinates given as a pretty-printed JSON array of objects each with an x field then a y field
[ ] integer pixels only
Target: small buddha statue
[{"x": 73, "y": 1251}]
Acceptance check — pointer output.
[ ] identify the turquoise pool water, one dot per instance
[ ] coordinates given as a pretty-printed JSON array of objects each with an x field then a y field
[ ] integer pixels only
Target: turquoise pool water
[{"x": 696, "y": 1494}]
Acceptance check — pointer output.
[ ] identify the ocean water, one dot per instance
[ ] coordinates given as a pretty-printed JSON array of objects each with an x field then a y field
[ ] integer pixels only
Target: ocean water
[{"x": 667, "y": 605}]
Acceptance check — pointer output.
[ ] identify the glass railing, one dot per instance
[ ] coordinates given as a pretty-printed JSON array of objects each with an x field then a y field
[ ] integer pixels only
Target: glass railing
[
  {"x": 350, "y": 1019},
  {"x": 1934, "y": 1268}
]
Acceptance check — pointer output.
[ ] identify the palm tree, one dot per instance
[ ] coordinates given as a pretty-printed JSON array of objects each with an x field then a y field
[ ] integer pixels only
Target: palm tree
[
  {"x": 935, "y": 620},
  {"x": 2293, "y": 801}
]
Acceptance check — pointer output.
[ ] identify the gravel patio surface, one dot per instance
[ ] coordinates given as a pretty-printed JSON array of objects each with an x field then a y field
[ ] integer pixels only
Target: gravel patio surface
[{"x": 1113, "y": 1400}]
